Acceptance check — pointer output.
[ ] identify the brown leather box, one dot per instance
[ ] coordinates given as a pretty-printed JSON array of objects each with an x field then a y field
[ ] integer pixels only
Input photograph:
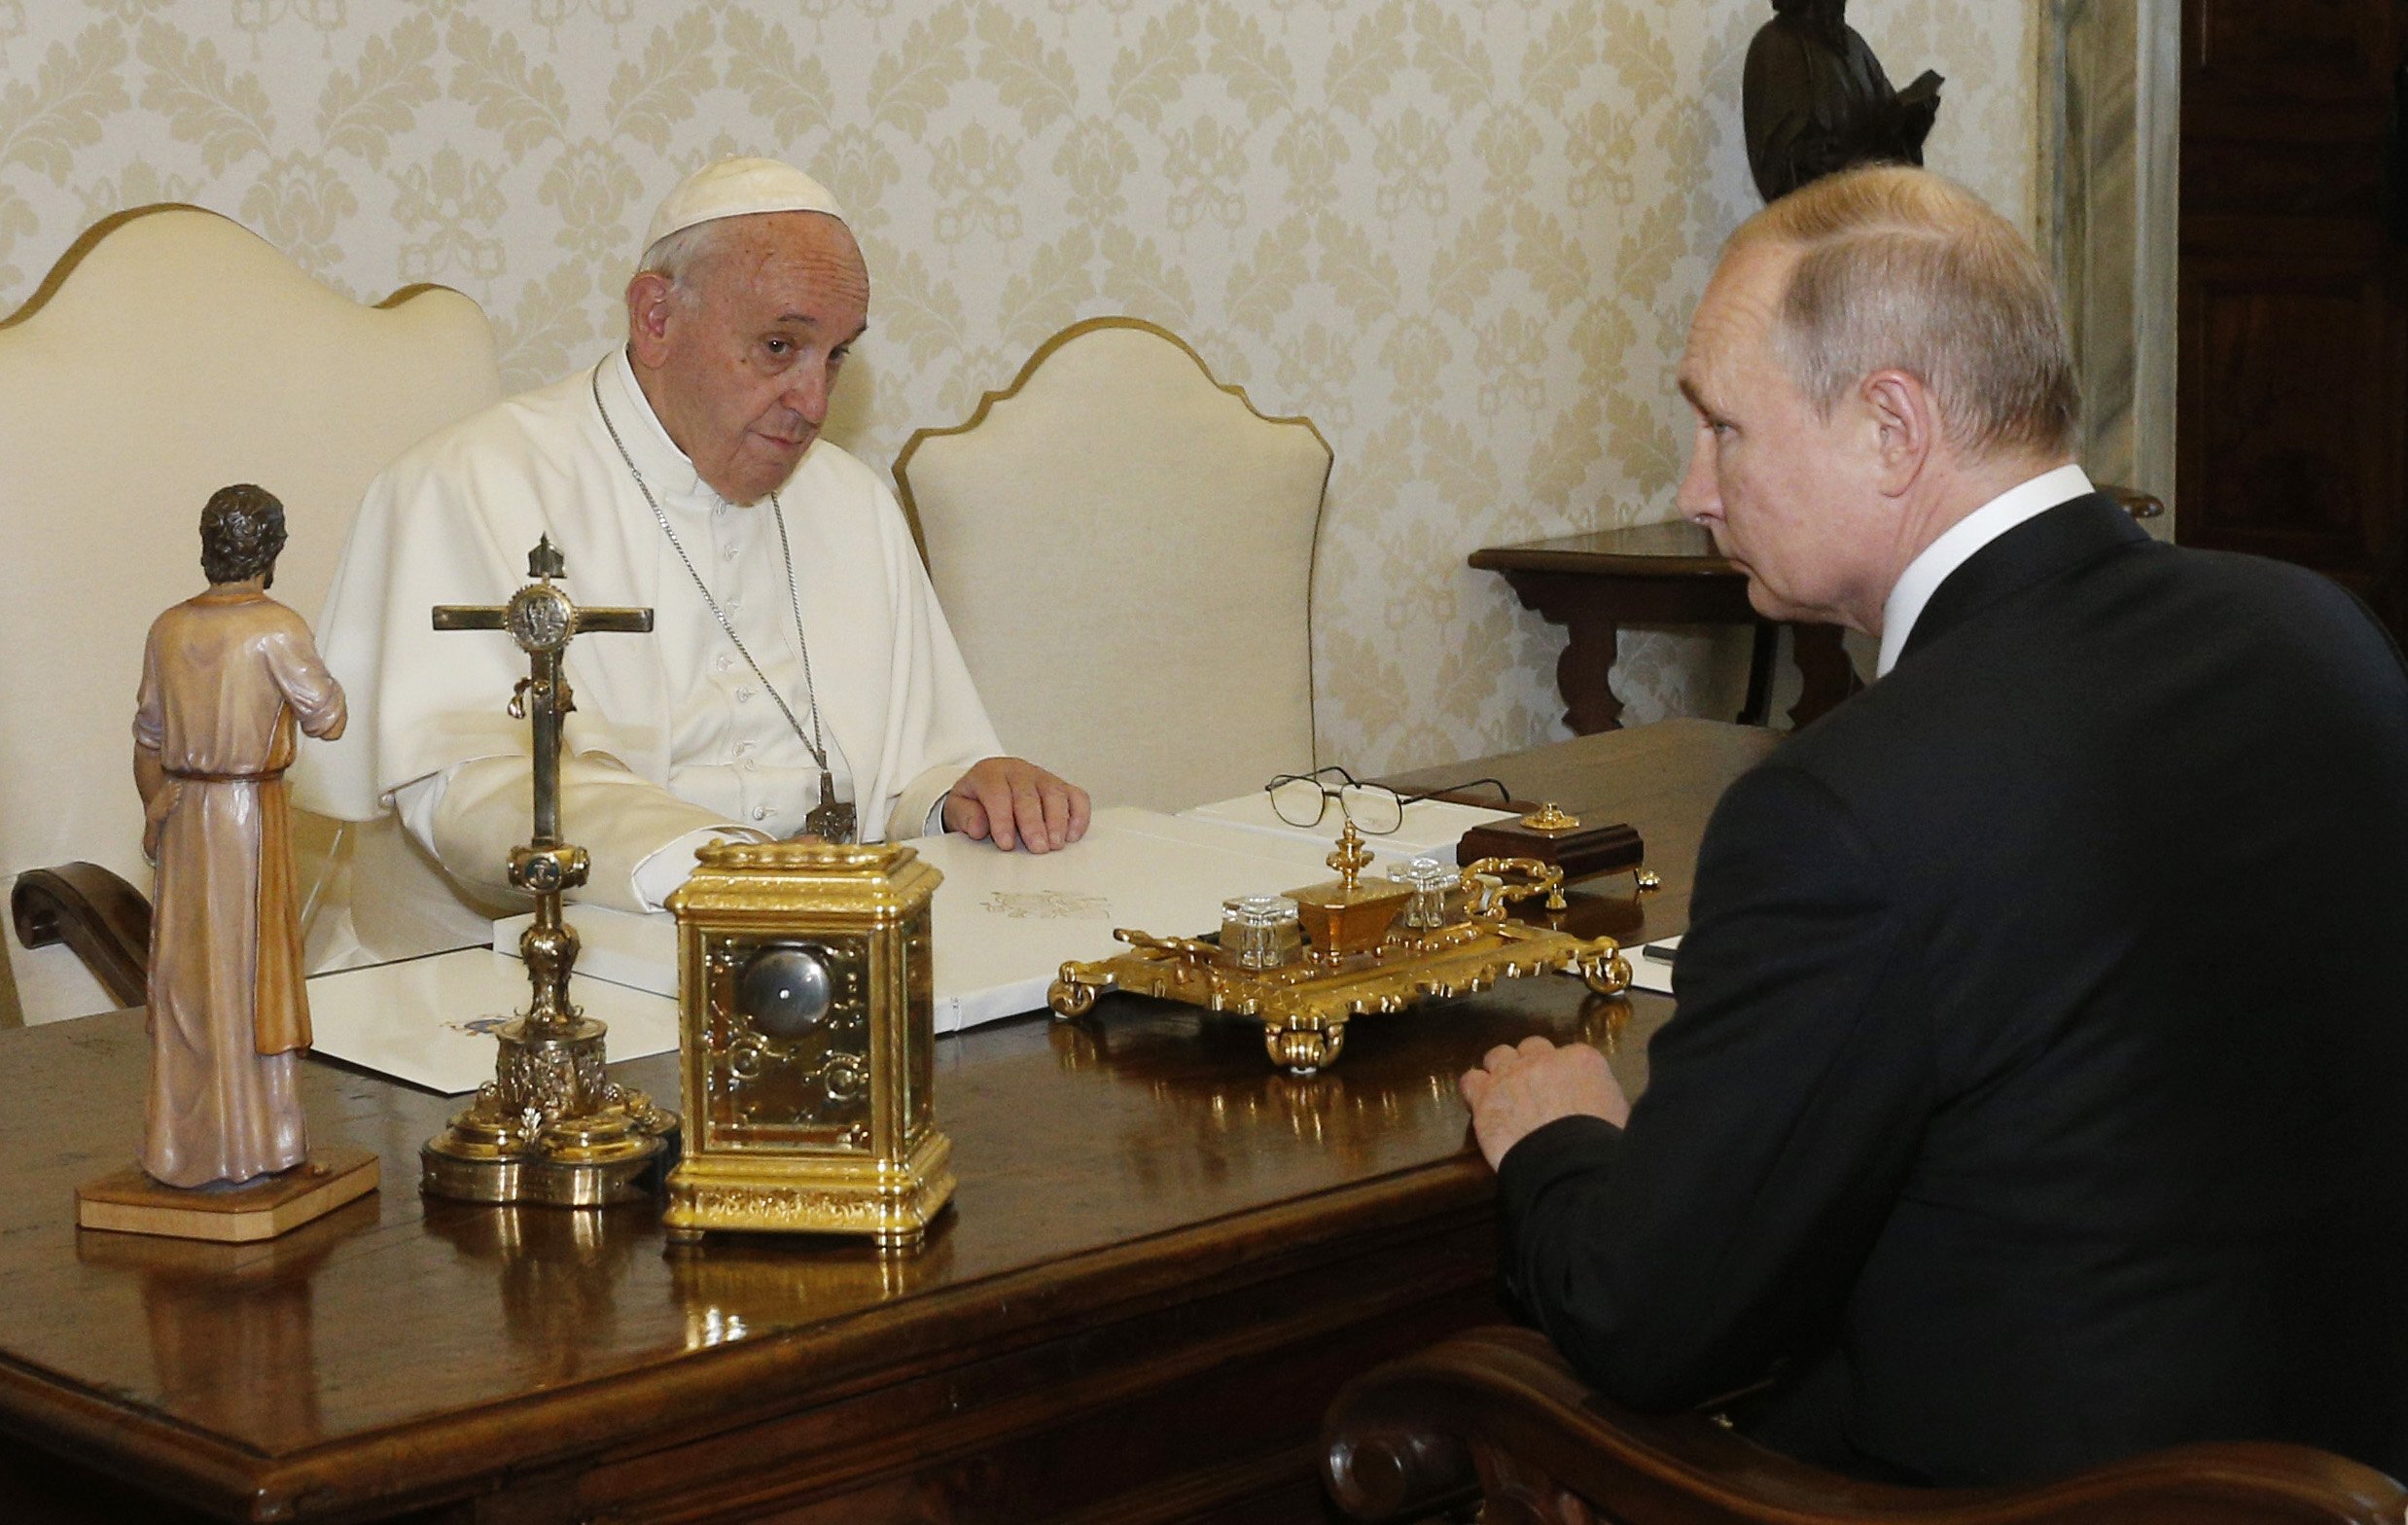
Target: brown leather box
[{"x": 1583, "y": 851}]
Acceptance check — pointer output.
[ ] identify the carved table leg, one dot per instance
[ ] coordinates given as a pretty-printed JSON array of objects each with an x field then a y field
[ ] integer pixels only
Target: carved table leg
[
  {"x": 1757, "y": 707},
  {"x": 1593, "y": 605},
  {"x": 1823, "y": 662},
  {"x": 1584, "y": 676},
  {"x": 1584, "y": 671}
]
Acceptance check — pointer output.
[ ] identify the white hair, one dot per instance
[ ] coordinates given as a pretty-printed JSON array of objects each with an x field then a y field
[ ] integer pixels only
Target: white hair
[{"x": 677, "y": 257}]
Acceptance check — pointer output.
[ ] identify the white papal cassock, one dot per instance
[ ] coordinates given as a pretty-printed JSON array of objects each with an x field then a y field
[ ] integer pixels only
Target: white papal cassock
[{"x": 673, "y": 736}]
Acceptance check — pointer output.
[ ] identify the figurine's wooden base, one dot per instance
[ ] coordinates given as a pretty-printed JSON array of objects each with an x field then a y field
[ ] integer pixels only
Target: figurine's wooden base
[{"x": 131, "y": 1202}]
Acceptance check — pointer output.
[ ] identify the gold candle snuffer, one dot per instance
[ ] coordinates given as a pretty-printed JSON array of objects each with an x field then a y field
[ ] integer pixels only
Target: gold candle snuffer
[
  {"x": 1347, "y": 954},
  {"x": 551, "y": 1126}
]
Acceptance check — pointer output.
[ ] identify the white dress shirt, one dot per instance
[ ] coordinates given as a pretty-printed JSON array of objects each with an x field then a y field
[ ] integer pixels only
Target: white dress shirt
[{"x": 1927, "y": 572}]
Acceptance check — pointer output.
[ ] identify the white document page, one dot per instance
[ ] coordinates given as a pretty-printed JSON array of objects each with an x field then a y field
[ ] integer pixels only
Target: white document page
[
  {"x": 1431, "y": 827},
  {"x": 621, "y": 947},
  {"x": 429, "y": 1020},
  {"x": 1005, "y": 923},
  {"x": 1652, "y": 974}
]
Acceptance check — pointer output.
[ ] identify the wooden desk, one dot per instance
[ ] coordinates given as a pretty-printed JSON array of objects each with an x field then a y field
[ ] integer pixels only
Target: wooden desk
[
  {"x": 1163, "y": 1260},
  {"x": 1594, "y": 583}
]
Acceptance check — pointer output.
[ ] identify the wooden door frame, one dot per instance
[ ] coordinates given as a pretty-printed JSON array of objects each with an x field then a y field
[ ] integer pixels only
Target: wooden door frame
[{"x": 2110, "y": 101}]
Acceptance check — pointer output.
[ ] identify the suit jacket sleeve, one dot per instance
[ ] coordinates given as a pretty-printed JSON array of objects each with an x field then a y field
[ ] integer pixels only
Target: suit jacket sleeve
[{"x": 1684, "y": 1258}]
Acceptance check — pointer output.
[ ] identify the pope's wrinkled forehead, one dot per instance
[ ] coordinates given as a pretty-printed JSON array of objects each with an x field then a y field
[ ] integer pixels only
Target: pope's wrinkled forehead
[{"x": 788, "y": 251}]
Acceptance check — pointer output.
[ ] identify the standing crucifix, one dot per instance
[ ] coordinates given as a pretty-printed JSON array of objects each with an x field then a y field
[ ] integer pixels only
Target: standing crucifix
[{"x": 549, "y": 1126}]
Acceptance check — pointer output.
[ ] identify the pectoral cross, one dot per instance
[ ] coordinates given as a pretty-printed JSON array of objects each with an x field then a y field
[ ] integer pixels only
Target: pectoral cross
[{"x": 540, "y": 618}]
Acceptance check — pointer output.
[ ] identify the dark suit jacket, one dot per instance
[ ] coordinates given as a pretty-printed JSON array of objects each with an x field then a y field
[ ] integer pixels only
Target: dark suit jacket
[{"x": 2038, "y": 1088}]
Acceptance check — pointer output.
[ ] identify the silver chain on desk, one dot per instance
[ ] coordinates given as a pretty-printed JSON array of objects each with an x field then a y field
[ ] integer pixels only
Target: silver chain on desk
[{"x": 793, "y": 596}]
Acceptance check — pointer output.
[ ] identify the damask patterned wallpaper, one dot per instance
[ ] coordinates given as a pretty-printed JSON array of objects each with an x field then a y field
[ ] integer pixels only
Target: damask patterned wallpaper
[{"x": 1464, "y": 238}]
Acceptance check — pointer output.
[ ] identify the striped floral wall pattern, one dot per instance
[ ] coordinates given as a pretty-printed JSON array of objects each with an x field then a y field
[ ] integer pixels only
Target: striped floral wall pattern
[{"x": 1463, "y": 235}]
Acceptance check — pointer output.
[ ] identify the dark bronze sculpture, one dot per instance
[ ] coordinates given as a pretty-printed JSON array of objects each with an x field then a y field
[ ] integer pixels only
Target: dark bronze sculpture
[{"x": 1816, "y": 100}]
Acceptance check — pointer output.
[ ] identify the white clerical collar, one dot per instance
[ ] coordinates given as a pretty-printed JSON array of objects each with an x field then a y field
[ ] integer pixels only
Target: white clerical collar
[
  {"x": 663, "y": 465},
  {"x": 1925, "y": 573}
]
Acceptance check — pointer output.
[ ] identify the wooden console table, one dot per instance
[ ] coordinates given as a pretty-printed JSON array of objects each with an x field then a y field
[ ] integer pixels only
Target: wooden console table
[
  {"x": 1593, "y": 583},
  {"x": 1163, "y": 1260}
]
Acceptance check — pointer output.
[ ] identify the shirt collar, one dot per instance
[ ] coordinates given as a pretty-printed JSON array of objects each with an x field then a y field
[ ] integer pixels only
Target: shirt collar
[
  {"x": 1925, "y": 573},
  {"x": 663, "y": 465}
]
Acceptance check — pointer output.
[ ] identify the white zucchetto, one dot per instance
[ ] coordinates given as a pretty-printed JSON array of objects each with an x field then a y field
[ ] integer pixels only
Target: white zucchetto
[{"x": 739, "y": 188}]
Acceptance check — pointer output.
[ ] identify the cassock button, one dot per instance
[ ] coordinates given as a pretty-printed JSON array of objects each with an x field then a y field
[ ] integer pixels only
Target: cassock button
[
  {"x": 743, "y": 694},
  {"x": 761, "y": 812}
]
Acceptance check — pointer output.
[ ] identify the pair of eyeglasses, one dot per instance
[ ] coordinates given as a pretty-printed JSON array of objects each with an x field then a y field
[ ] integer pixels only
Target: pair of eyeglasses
[{"x": 1303, "y": 799}]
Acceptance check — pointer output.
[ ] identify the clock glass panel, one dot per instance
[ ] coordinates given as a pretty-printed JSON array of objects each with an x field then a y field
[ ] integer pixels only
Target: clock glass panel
[{"x": 789, "y": 1032}]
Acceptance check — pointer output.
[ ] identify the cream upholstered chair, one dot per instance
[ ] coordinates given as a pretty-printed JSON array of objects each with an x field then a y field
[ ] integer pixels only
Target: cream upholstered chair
[
  {"x": 169, "y": 353},
  {"x": 1124, "y": 550}
]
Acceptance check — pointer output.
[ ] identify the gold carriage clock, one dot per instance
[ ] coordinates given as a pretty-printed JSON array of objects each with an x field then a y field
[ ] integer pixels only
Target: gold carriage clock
[{"x": 807, "y": 1038}]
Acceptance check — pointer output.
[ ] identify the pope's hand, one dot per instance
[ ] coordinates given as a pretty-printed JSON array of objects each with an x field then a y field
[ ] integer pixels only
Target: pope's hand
[
  {"x": 1016, "y": 803},
  {"x": 1517, "y": 1091}
]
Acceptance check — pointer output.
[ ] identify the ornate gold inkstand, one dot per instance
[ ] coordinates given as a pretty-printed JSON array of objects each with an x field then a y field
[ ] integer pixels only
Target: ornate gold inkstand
[
  {"x": 551, "y": 1126},
  {"x": 808, "y": 1043},
  {"x": 1305, "y": 963}
]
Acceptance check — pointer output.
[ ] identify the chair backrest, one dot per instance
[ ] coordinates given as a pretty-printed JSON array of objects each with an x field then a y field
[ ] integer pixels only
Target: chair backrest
[
  {"x": 169, "y": 353},
  {"x": 1124, "y": 550}
]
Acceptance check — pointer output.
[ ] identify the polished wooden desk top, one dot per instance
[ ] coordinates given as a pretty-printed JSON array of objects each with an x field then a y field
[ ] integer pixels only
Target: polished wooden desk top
[
  {"x": 1141, "y": 1160},
  {"x": 1675, "y": 548}
]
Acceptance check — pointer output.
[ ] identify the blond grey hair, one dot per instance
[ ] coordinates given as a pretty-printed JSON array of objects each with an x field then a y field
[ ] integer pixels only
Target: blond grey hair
[{"x": 1900, "y": 268}]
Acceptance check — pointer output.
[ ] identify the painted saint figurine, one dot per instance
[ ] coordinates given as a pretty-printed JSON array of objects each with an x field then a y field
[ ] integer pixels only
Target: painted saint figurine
[
  {"x": 226, "y": 677},
  {"x": 1816, "y": 101}
]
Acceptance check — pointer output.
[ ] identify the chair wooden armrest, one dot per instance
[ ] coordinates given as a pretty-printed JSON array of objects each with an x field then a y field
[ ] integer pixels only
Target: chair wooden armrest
[
  {"x": 1496, "y": 1413},
  {"x": 2139, "y": 505},
  {"x": 103, "y": 919}
]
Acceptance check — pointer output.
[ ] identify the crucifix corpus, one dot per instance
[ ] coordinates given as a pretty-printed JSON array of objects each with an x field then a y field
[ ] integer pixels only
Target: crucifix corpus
[{"x": 549, "y": 1126}]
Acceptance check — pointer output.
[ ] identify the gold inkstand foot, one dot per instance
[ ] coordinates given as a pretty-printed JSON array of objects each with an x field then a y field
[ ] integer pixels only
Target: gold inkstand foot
[{"x": 1305, "y": 1051}]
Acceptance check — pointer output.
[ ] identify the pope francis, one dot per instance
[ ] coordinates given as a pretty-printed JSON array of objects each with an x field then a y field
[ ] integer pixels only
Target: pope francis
[{"x": 800, "y": 676}]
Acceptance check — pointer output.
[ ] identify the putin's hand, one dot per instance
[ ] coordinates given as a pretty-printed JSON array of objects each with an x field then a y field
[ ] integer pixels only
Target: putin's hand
[{"x": 1519, "y": 1089}]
